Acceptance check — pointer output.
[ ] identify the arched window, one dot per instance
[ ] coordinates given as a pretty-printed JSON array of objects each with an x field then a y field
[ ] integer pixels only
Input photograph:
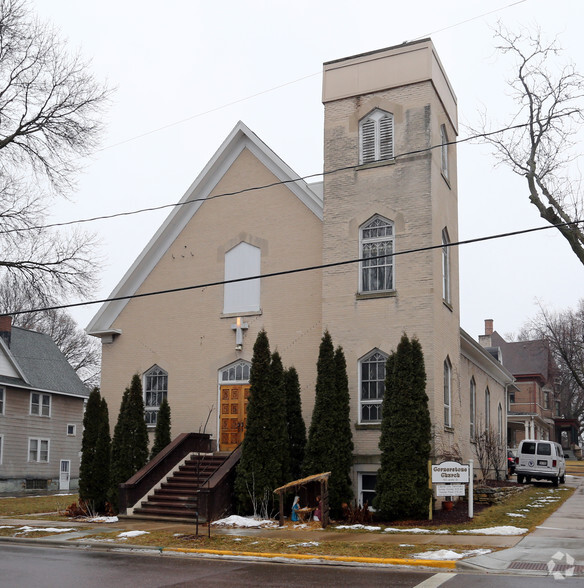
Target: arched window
[
  {"x": 446, "y": 266},
  {"x": 243, "y": 261},
  {"x": 237, "y": 372},
  {"x": 447, "y": 393},
  {"x": 487, "y": 409},
  {"x": 376, "y": 136},
  {"x": 473, "y": 409},
  {"x": 500, "y": 422},
  {"x": 377, "y": 246},
  {"x": 155, "y": 391},
  {"x": 372, "y": 385},
  {"x": 444, "y": 150}
]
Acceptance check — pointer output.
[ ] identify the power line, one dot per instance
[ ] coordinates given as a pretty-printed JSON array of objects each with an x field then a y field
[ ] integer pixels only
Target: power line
[
  {"x": 265, "y": 186},
  {"x": 291, "y": 271}
]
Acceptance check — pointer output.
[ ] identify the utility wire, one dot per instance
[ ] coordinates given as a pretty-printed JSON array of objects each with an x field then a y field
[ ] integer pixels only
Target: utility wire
[
  {"x": 272, "y": 184},
  {"x": 292, "y": 271}
]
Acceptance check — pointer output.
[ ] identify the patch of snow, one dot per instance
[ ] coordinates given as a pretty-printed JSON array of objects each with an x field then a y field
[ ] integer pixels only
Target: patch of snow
[
  {"x": 127, "y": 534},
  {"x": 306, "y": 544},
  {"x": 515, "y": 514},
  {"x": 406, "y": 545},
  {"x": 503, "y": 530},
  {"x": 359, "y": 526},
  {"x": 45, "y": 529},
  {"x": 416, "y": 530},
  {"x": 443, "y": 554},
  {"x": 7, "y": 527},
  {"x": 237, "y": 521},
  {"x": 300, "y": 526},
  {"x": 103, "y": 520},
  {"x": 237, "y": 539}
]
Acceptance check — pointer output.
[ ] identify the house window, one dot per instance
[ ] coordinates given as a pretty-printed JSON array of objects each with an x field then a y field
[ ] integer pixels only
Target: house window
[
  {"x": 376, "y": 137},
  {"x": 372, "y": 385},
  {"x": 38, "y": 450},
  {"x": 447, "y": 393},
  {"x": 377, "y": 243},
  {"x": 2, "y": 393},
  {"x": 444, "y": 150},
  {"x": 155, "y": 391},
  {"x": 558, "y": 409},
  {"x": 40, "y": 404},
  {"x": 546, "y": 399},
  {"x": 487, "y": 409},
  {"x": 71, "y": 430},
  {"x": 500, "y": 422},
  {"x": 445, "y": 266},
  {"x": 243, "y": 261},
  {"x": 367, "y": 482},
  {"x": 1, "y": 445},
  {"x": 473, "y": 405}
]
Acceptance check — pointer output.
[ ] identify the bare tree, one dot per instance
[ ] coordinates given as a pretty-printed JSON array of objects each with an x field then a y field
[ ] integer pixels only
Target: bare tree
[
  {"x": 81, "y": 351},
  {"x": 538, "y": 141},
  {"x": 564, "y": 332},
  {"x": 50, "y": 109}
]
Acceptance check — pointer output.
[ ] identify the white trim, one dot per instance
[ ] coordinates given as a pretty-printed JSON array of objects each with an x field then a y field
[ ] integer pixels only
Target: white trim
[
  {"x": 40, "y": 404},
  {"x": 74, "y": 433},
  {"x": 360, "y": 490},
  {"x": 42, "y": 390},
  {"x": 12, "y": 360},
  {"x": 240, "y": 138},
  {"x": 39, "y": 440},
  {"x": 363, "y": 241},
  {"x": 3, "y": 400},
  {"x": 447, "y": 397},
  {"x": 1, "y": 447},
  {"x": 360, "y": 361}
]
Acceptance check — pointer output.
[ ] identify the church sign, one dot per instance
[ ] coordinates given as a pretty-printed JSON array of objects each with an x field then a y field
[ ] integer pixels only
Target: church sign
[{"x": 450, "y": 472}]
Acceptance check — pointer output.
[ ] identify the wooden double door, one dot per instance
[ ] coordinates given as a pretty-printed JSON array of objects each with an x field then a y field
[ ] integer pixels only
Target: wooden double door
[{"x": 233, "y": 416}]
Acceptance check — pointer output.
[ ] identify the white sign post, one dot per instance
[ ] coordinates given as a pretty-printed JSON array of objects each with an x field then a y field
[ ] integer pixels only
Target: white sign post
[{"x": 450, "y": 478}]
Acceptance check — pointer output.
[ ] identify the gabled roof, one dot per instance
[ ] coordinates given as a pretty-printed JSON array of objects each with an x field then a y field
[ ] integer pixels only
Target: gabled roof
[
  {"x": 39, "y": 365},
  {"x": 240, "y": 138},
  {"x": 524, "y": 358}
]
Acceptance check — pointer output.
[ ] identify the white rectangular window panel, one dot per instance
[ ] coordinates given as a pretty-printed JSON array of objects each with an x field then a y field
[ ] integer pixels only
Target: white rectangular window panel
[
  {"x": 38, "y": 450},
  {"x": 2, "y": 393},
  {"x": 71, "y": 430},
  {"x": 242, "y": 261},
  {"x": 40, "y": 404}
]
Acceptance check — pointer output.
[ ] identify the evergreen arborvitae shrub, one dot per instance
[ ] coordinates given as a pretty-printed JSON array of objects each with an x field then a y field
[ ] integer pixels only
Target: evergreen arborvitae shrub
[
  {"x": 260, "y": 467},
  {"x": 130, "y": 442},
  {"x": 402, "y": 489},
  {"x": 294, "y": 422},
  {"x": 276, "y": 418},
  {"x": 102, "y": 459},
  {"x": 88, "y": 466},
  {"x": 329, "y": 446},
  {"x": 162, "y": 431}
]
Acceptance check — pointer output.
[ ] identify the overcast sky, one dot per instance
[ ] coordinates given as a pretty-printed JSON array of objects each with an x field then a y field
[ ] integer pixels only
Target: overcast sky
[{"x": 185, "y": 71}]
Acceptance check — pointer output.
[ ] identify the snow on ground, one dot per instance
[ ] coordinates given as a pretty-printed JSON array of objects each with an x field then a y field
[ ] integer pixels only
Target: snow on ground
[
  {"x": 358, "y": 526},
  {"x": 7, "y": 527},
  {"x": 127, "y": 534},
  {"x": 503, "y": 530},
  {"x": 415, "y": 530},
  {"x": 44, "y": 529},
  {"x": 515, "y": 514},
  {"x": 449, "y": 554},
  {"x": 102, "y": 520},
  {"x": 237, "y": 521},
  {"x": 306, "y": 544}
]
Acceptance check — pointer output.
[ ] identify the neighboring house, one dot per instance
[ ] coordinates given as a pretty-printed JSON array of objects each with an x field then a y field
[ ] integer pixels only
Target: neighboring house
[
  {"x": 41, "y": 413},
  {"x": 534, "y": 404},
  {"x": 385, "y": 191}
]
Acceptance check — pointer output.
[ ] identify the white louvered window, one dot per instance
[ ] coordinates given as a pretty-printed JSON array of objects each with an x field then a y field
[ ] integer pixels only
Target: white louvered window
[
  {"x": 376, "y": 137},
  {"x": 377, "y": 243}
]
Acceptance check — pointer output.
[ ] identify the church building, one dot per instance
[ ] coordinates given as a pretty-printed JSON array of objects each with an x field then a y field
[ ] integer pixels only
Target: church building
[{"x": 387, "y": 207}]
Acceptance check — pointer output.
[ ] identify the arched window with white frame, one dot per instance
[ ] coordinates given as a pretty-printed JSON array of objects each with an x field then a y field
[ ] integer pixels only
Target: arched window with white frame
[
  {"x": 155, "y": 391},
  {"x": 376, "y": 136},
  {"x": 372, "y": 386},
  {"x": 447, "y": 393},
  {"x": 473, "y": 407},
  {"x": 376, "y": 252}
]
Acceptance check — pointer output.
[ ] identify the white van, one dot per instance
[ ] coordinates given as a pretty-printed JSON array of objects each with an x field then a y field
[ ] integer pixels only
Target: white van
[{"x": 540, "y": 460}]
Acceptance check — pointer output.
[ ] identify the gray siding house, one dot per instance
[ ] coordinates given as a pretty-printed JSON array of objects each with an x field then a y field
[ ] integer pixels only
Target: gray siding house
[{"x": 41, "y": 413}]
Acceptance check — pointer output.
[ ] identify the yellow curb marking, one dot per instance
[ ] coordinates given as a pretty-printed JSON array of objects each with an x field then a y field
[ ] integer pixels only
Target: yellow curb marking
[{"x": 442, "y": 563}]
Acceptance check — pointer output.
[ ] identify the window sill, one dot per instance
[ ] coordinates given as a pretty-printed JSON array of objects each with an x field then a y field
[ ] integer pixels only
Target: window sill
[
  {"x": 370, "y": 295},
  {"x": 448, "y": 305},
  {"x": 368, "y": 426},
  {"x": 378, "y": 163},
  {"x": 448, "y": 429},
  {"x": 445, "y": 178},
  {"x": 230, "y": 315}
]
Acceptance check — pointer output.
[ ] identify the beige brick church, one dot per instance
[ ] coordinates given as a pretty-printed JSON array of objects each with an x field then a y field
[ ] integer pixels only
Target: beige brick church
[{"x": 389, "y": 198}]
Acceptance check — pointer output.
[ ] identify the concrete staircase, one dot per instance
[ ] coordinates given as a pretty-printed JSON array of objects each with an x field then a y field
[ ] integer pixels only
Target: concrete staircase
[{"x": 177, "y": 498}]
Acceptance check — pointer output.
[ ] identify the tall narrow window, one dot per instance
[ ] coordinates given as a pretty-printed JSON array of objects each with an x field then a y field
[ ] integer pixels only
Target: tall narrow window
[
  {"x": 243, "y": 261},
  {"x": 500, "y": 422},
  {"x": 372, "y": 383},
  {"x": 473, "y": 410},
  {"x": 447, "y": 393},
  {"x": 2, "y": 393},
  {"x": 376, "y": 137},
  {"x": 487, "y": 409},
  {"x": 445, "y": 266},
  {"x": 155, "y": 391},
  {"x": 444, "y": 150},
  {"x": 367, "y": 483},
  {"x": 377, "y": 242}
]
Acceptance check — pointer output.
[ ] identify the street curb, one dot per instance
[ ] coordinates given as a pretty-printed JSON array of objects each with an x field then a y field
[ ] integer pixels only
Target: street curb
[{"x": 394, "y": 561}]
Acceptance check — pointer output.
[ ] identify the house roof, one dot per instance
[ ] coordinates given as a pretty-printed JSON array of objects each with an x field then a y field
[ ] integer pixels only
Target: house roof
[
  {"x": 240, "y": 138},
  {"x": 39, "y": 365},
  {"x": 524, "y": 358}
]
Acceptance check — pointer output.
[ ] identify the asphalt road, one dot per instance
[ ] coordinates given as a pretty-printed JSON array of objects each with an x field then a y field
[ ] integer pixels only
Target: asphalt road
[{"x": 47, "y": 567}]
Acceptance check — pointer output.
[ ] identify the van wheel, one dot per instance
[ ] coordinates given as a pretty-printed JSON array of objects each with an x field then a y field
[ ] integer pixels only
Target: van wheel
[
  {"x": 520, "y": 478},
  {"x": 528, "y": 479},
  {"x": 562, "y": 479},
  {"x": 555, "y": 481}
]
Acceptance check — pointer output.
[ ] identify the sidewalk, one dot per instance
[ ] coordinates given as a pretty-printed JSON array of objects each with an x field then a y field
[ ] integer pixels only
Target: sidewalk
[{"x": 557, "y": 546}]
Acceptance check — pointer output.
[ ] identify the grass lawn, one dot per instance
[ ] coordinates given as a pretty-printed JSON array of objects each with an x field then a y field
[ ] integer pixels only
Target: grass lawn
[{"x": 34, "y": 505}]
